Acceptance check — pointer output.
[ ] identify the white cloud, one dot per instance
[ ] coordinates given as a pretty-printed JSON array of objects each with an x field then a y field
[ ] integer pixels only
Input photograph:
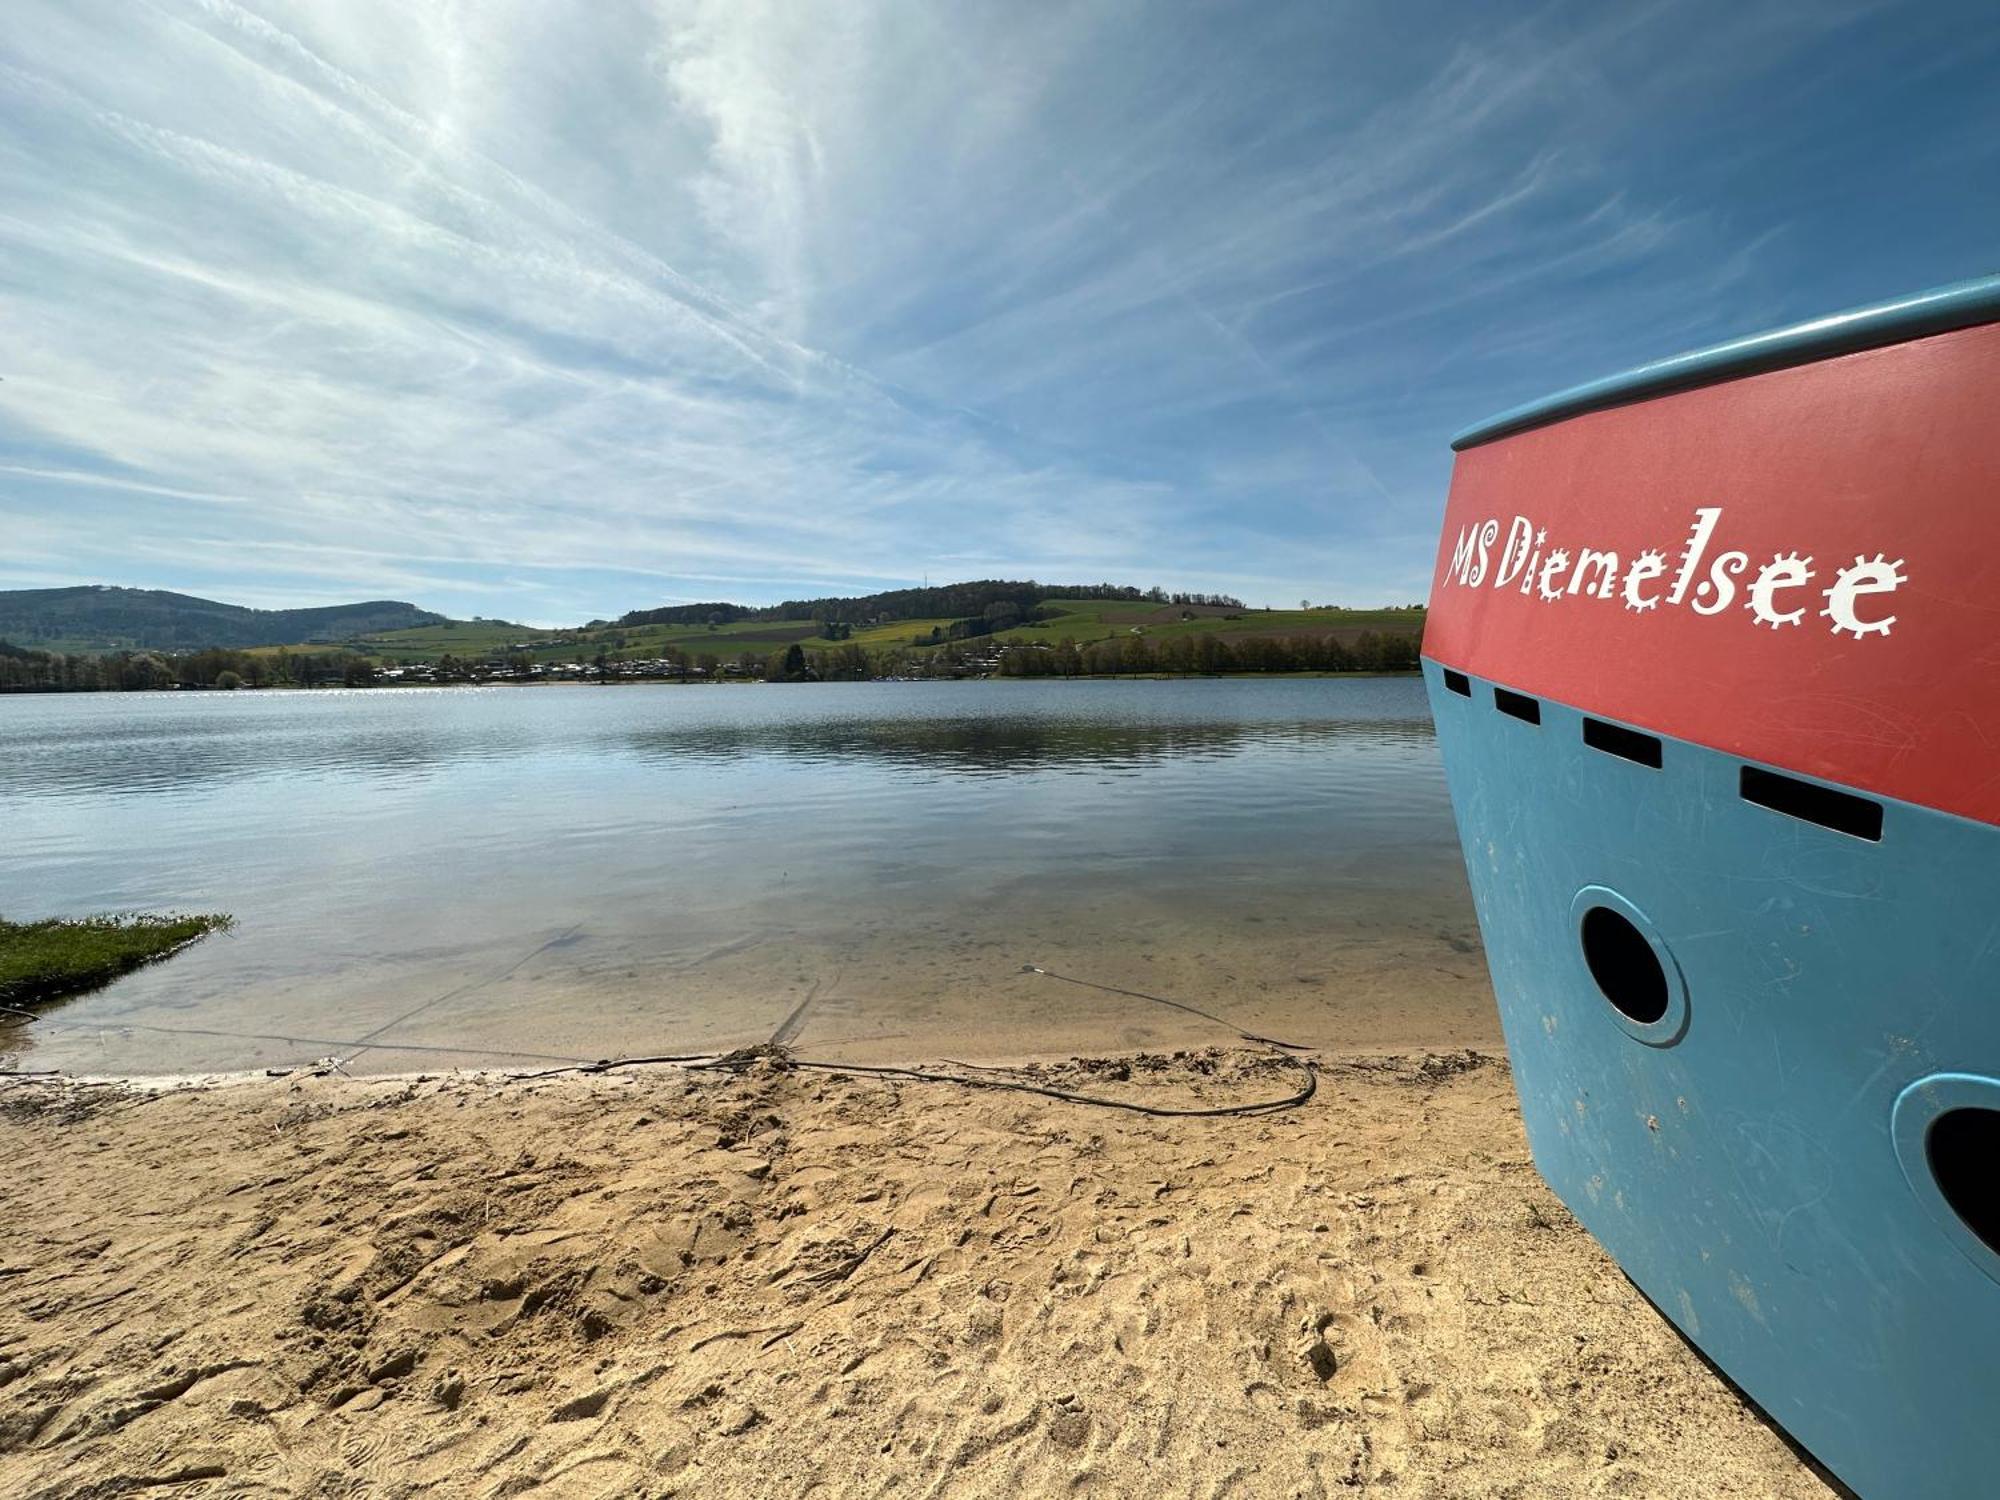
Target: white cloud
[{"x": 638, "y": 300}]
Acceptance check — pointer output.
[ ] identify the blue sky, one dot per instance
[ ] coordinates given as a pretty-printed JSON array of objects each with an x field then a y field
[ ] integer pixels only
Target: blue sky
[{"x": 553, "y": 311}]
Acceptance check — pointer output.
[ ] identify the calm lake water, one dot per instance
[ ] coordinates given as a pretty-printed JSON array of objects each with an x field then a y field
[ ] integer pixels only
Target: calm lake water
[{"x": 865, "y": 869}]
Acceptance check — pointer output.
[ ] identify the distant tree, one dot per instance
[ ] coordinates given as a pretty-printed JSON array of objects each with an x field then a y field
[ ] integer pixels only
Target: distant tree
[
  {"x": 149, "y": 671},
  {"x": 790, "y": 666},
  {"x": 848, "y": 663},
  {"x": 229, "y": 682}
]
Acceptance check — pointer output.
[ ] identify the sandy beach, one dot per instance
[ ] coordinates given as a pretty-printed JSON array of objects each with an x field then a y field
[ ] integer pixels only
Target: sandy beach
[{"x": 788, "y": 1282}]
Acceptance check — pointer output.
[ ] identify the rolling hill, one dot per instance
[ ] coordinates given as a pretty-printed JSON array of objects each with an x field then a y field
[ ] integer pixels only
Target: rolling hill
[
  {"x": 100, "y": 617},
  {"x": 905, "y": 625},
  {"x": 1080, "y": 620}
]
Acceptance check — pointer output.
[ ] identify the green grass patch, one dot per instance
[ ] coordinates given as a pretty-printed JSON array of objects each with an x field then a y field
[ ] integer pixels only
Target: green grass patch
[
  {"x": 485, "y": 640},
  {"x": 49, "y": 960},
  {"x": 1088, "y": 620}
]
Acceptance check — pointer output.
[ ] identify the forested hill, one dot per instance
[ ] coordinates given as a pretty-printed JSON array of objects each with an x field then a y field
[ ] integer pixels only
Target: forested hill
[
  {"x": 954, "y": 600},
  {"x": 103, "y": 618}
]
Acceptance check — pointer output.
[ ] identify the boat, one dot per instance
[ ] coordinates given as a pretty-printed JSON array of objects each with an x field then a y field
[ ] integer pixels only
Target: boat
[{"x": 1714, "y": 657}]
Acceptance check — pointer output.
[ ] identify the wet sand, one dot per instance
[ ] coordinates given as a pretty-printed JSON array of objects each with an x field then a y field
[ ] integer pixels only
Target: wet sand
[
  {"x": 791, "y": 1282},
  {"x": 1372, "y": 974}
]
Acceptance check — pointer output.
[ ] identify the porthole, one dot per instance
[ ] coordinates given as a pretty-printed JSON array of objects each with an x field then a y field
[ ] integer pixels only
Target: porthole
[
  {"x": 1628, "y": 972},
  {"x": 1627, "y": 967},
  {"x": 1946, "y": 1130},
  {"x": 1962, "y": 1151}
]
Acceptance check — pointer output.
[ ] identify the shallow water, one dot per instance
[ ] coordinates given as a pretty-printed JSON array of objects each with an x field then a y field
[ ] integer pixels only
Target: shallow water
[{"x": 576, "y": 872}]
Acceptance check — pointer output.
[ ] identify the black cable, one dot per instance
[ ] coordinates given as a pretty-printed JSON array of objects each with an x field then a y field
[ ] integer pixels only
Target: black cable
[
  {"x": 737, "y": 1062},
  {"x": 607, "y": 1064},
  {"x": 742, "y": 1059},
  {"x": 1260, "y": 1107},
  {"x": 1112, "y": 989}
]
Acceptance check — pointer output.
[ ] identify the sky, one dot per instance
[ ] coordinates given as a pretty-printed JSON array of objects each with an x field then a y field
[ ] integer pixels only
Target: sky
[{"x": 548, "y": 311}]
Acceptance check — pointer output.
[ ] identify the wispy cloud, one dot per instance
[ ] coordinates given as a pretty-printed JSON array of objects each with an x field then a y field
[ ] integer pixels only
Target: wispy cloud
[{"x": 547, "y": 312}]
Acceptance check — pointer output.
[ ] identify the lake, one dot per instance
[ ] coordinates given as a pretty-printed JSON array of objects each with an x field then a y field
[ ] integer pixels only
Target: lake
[{"x": 435, "y": 878}]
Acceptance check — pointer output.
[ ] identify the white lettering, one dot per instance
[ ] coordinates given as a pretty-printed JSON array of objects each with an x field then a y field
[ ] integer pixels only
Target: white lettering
[
  {"x": 1486, "y": 535},
  {"x": 1461, "y": 554},
  {"x": 1534, "y": 561},
  {"x": 1787, "y": 570},
  {"x": 1520, "y": 535},
  {"x": 1704, "y": 528},
  {"x": 1552, "y": 570},
  {"x": 1707, "y": 585},
  {"x": 1606, "y": 564},
  {"x": 1719, "y": 583},
  {"x": 1647, "y": 564},
  {"x": 1867, "y": 576}
]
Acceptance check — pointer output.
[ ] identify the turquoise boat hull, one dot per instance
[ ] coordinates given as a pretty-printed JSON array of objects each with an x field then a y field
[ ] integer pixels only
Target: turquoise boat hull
[{"x": 1735, "y": 852}]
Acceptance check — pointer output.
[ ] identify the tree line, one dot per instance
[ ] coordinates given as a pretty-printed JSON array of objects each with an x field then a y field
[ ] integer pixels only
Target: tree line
[
  {"x": 24, "y": 670},
  {"x": 1210, "y": 655},
  {"x": 961, "y": 600}
]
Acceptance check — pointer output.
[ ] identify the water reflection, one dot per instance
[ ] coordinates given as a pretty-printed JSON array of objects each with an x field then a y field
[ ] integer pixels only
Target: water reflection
[
  {"x": 185, "y": 750},
  {"x": 1003, "y": 747},
  {"x": 96, "y": 745}
]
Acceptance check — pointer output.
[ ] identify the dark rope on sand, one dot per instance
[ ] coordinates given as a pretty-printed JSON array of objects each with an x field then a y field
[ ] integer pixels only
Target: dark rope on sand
[
  {"x": 1293, "y": 1100},
  {"x": 783, "y": 1058},
  {"x": 1182, "y": 1005},
  {"x": 780, "y": 1058}
]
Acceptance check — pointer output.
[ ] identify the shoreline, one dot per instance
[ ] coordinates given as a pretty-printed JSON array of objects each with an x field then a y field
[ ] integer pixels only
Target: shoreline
[
  {"x": 1370, "y": 982},
  {"x": 515, "y": 682},
  {"x": 205, "y": 1080},
  {"x": 777, "y": 1281}
]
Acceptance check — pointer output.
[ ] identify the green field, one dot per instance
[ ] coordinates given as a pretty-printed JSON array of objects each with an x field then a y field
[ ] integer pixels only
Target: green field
[
  {"x": 478, "y": 639},
  {"x": 1087, "y": 620}
]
